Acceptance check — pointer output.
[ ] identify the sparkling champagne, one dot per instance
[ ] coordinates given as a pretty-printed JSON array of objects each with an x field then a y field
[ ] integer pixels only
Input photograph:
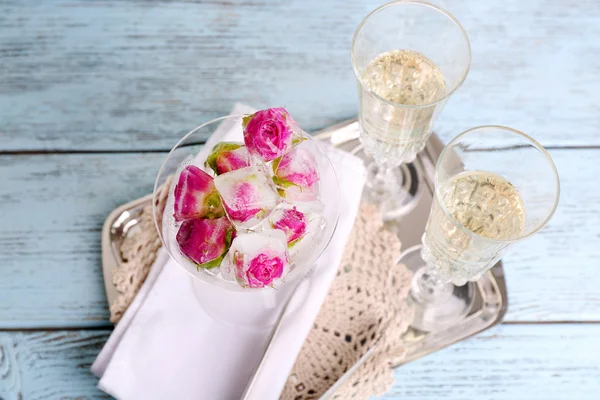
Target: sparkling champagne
[
  {"x": 489, "y": 209},
  {"x": 402, "y": 77},
  {"x": 486, "y": 204}
]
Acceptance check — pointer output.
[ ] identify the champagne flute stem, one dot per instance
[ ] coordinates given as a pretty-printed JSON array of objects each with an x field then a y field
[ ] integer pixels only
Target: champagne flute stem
[
  {"x": 428, "y": 287},
  {"x": 384, "y": 178}
]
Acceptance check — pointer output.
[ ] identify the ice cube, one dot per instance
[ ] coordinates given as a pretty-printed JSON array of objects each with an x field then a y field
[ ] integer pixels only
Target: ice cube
[
  {"x": 296, "y": 175},
  {"x": 257, "y": 259},
  {"x": 293, "y": 221},
  {"x": 227, "y": 156},
  {"x": 195, "y": 195},
  {"x": 226, "y": 269},
  {"x": 248, "y": 196},
  {"x": 315, "y": 206},
  {"x": 303, "y": 249},
  {"x": 268, "y": 134},
  {"x": 205, "y": 241}
]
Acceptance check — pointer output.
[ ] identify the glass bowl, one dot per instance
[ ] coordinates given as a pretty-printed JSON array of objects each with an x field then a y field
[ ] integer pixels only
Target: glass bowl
[{"x": 193, "y": 148}]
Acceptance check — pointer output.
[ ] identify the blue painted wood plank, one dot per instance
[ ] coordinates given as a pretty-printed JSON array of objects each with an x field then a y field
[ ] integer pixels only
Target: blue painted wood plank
[
  {"x": 52, "y": 208},
  {"x": 49, "y": 365},
  {"x": 524, "y": 362},
  {"x": 553, "y": 275},
  {"x": 137, "y": 75}
]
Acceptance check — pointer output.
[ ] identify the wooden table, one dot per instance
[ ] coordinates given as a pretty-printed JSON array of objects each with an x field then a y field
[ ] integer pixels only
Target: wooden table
[{"x": 93, "y": 95}]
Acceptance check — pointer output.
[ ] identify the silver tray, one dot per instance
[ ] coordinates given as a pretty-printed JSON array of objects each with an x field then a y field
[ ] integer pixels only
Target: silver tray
[{"x": 490, "y": 295}]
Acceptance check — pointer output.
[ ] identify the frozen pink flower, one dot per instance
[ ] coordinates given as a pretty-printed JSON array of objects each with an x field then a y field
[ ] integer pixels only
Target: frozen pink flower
[
  {"x": 263, "y": 269},
  {"x": 227, "y": 157},
  {"x": 196, "y": 196},
  {"x": 247, "y": 194},
  {"x": 296, "y": 175},
  {"x": 291, "y": 221},
  {"x": 259, "y": 259},
  {"x": 244, "y": 204},
  {"x": 205, "y": 241},
  {"x": 268, "y": 134}
]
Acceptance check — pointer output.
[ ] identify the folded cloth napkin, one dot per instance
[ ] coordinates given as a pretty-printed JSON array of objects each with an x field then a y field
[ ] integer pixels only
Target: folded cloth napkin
[{"x": 167, "y": 346}]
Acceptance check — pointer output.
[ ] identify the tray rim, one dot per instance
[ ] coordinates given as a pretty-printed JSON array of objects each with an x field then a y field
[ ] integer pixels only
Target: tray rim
[{"x": 110, "y": 257}]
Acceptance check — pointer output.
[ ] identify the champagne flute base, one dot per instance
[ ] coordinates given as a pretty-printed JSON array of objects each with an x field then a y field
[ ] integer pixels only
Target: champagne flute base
[{"x": 437, "y": 306}]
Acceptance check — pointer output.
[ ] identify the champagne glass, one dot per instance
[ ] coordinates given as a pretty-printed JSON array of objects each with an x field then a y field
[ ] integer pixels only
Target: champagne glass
[
  {"x": 409, "y": 57},
  {"x": 494, "y": 186}
]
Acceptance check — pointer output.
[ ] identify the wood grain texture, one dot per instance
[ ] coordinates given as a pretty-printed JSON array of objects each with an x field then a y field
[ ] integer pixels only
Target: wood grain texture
[
  {"x": 131, "y": 75},
  {"x": 509, "y": 362},
  {"x": 49, "y": 365},
  {"x": 553, "y": 275},
  {"x": 53, "y": 207},
  {"x": 138, "y": 74},
  {"x": 524, "y": 362}
]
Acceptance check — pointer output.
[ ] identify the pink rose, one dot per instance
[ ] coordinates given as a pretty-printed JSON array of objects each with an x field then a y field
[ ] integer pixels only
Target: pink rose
[
  {"x": 297, "y": 176},
  {"x": 263, "y": 269},
  {"x": 227, "y": 157},
  {"x": 258, "y": 259},
  {"x": 205, "y": 241},
  {"x": 268, "y": 134},
  {"x": 196, "y": 196},
  {"x": 248, "y": 196},
  {"x": 292, "y": 222}
]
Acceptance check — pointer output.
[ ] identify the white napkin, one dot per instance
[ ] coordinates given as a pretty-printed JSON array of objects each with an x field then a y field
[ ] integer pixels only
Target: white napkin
[{"x": 167, "y": 346}]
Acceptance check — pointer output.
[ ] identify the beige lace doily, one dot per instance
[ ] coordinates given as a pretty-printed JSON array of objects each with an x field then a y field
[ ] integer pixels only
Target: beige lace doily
[{"x": 362, "y": 306}]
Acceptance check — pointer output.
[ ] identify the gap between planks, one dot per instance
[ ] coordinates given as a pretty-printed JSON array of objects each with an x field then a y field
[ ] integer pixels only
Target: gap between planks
[
  {"x": 142, "y": 151},
  {"x": 110, "y": 326}
]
